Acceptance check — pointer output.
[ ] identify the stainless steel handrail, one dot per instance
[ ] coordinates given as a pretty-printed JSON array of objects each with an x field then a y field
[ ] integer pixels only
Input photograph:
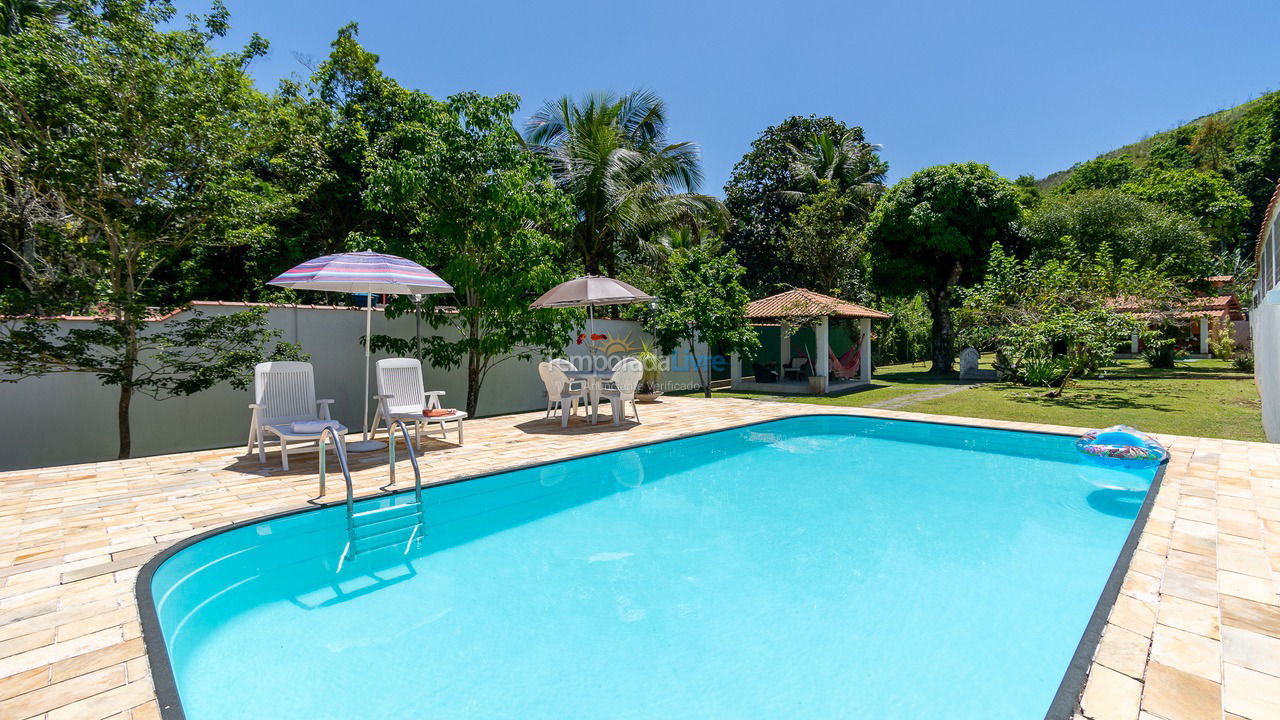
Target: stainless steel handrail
[{"x": 341, "y": 448}]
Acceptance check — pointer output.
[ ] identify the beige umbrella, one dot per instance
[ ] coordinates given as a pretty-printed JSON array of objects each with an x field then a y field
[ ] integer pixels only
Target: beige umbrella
[{"x": 589, "y": 291}]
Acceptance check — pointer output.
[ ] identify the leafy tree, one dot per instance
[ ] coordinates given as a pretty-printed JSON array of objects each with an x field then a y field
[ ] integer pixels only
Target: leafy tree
[
  {"x": 1202, "y": 195},
  {"x": 701, "y": 299},
  {"x": 822, "y": 241},
  {"x": 1211, "y": 144},
  {"x": 1173, "y": 149},
  {"x": 756, "y": 194},
  {"x": 141, "y": 134},
  {"x": 316, "y": 138},
  {"x": 473, "y": 203},
  {"x": 1053, "y": 320},
  {"x": 1102, "y": 172},
  {"x": 932, "y": 233},
  {"x": 1029, "y": 195},
  {"x": 628, "y": 183},
  {"x": 1255, "y": 157},
  {"x": 1131, "y": 228}
]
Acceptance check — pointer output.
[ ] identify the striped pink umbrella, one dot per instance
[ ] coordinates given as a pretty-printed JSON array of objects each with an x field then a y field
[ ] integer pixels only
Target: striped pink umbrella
[
  {"x": 370, "y": 273},
  {"x": 363, "y": 272}
]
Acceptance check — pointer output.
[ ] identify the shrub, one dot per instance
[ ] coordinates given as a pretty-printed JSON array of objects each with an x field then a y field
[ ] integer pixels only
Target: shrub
[
  {"x": 1243, "y": 361},
  {"x": 1160, "y": 356},
  {"x": 1044, "y": 372},
  {"x": 1222, "y": 345}
]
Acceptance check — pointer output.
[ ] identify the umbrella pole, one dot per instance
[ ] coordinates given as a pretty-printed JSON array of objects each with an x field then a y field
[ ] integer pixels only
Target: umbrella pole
[
  {"x": 369, "y": 322},
  {"x": 367, "y": 445},
  {"x": 591, "y": 331}
]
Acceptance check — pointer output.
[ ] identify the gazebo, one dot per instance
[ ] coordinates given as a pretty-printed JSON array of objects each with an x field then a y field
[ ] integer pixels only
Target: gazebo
[{"x": 794, "y": 307}]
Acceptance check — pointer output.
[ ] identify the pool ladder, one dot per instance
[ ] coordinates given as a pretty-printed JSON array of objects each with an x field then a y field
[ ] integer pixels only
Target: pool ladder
[{"x": 379, "y": 523}]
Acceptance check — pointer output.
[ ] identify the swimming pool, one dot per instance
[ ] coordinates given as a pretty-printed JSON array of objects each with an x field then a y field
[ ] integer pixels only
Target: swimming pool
[{"x": 812, "y": 567}]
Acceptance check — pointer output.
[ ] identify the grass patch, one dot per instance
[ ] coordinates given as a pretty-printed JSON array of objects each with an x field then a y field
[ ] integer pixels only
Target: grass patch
[{"x": 1205, "y": 398}]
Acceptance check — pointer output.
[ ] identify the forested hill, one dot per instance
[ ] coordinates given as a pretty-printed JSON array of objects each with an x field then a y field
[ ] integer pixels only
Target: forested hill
[{"x": 1240, "y": 144}]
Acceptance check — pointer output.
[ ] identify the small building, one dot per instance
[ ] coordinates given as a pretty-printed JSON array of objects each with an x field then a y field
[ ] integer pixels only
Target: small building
[
  {"x": 795, "y": 308},
  {"x": 1201, "y": 318}
]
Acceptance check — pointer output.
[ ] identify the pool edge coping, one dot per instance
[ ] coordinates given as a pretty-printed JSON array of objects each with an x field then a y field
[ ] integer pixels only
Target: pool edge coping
[{"x": 1061, "y": 707}]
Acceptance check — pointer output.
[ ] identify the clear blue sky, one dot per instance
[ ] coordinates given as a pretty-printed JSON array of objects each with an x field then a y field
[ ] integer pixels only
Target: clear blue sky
[{"x": 1026, "y": 86}]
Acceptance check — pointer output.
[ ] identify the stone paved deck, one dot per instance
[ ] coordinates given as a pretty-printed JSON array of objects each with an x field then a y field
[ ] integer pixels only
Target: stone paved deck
[{"x": 1195, "y": 632}]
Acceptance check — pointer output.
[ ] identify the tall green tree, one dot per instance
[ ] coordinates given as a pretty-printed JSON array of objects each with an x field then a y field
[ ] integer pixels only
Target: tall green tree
[
  {"x": 628, "y": 183},
  {"x": 757, "y": 194},
  {"x": 932, "y": 232},
  {"x": 317, "y": 137},
  {"x": 701, "y": 299},
  {"x": 823, "y": 241},
  {"x": 141, "y": 132},
  {"x": 1149, "y": 234},
  {"x": 470, "y": 201},
  {"x": 1101, "y": 172}
]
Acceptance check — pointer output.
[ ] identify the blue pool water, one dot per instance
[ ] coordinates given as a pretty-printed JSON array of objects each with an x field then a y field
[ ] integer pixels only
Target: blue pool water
[{"x": 818, "y": 567}]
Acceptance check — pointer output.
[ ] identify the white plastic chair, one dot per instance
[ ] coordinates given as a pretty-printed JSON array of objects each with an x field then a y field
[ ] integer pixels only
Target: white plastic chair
[
  {"x": 401, "y": 397},
  {"x": 795, "y": 367},
  {"x": 561, "y": 391},
  {"x": 284, "y": 392},
  {"x": 621, "y": 389}
]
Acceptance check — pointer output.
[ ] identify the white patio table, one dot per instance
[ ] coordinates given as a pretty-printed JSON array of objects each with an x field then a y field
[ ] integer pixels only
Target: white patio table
[{"x": 594, "y": 380}]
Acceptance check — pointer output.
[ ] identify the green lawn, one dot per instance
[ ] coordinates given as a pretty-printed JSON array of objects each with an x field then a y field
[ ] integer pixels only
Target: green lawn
[{"x": 1205, "y": 398}]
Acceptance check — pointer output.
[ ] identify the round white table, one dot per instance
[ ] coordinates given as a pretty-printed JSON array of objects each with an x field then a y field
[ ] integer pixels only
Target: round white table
[{"x": 594, "y": 380}]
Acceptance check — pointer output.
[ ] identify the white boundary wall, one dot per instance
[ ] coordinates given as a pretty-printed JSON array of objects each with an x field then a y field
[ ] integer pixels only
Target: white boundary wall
[
  {"x": 71, "y": 417},
  {"x": 1264, "y": 320}
]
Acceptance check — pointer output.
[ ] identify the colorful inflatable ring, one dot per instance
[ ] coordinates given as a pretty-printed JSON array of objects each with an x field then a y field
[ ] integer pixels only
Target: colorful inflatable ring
[{"x": 1122, "y": 445}]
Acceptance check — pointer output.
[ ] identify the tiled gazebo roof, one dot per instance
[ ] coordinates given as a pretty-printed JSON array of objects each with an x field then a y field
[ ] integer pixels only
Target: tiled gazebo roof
[
  {"x": 1195, "y": 307},
  {"x": 801, "y": 303}
]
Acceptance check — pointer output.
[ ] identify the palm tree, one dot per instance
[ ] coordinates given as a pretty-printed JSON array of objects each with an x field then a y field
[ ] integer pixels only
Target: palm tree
[
  {"x": 841, "y": 160},
  {"x": 629, "y": 185},
  {"x": 17, "y": 14}
]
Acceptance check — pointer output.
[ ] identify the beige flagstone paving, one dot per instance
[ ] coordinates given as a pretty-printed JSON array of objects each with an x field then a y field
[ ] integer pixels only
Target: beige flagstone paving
[{"x": 1194, "y": 634}]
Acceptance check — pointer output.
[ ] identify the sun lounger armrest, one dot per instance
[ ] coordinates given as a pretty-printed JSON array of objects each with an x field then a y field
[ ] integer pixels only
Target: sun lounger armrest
[
  {"x": 255, "y": 406},
  {"x": 323, "y": 407}
]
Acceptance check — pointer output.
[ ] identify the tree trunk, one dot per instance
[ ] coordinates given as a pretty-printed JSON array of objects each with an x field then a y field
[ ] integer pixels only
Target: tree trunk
[
  {"x": 942, "y": 338},
  {"x": 942, "y": 344},
  {"x": 473, "y": 368},
  {"x": 704, "y": 378},
  {"x": 122, "y": 420}
]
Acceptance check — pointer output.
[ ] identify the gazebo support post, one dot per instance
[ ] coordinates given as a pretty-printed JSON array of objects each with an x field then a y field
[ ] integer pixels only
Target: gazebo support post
[
  {"x": 823, "y": 352},
  {"x": 864, "y": 330},
  {"x": 1204, "y": 335},
  {"x": 784, "y": 345}
]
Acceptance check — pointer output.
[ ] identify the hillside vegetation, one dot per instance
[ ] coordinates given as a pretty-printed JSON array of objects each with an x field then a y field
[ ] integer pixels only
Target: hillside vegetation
[{"x": 1233, "y": 149}]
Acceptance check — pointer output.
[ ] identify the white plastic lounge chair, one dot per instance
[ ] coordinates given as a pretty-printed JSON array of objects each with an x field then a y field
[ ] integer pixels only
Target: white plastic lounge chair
[
  {"x": 401, "y": 397},
  {"x": 284, "y": 393},
  {"x": 561, "y": 391},
  {"x": 621, "y": 389}
]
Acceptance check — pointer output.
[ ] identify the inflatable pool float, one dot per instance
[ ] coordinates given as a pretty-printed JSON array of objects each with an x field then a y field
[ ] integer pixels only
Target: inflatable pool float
[{"x": 1121, "y": 445}]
